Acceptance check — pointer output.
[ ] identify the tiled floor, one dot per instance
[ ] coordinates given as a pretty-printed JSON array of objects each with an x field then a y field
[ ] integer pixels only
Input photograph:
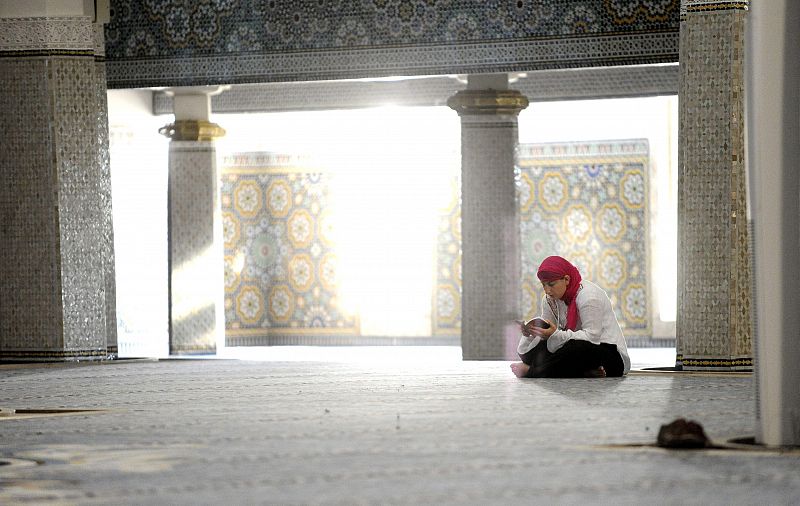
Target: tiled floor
[{"x": 401, "y": 426}]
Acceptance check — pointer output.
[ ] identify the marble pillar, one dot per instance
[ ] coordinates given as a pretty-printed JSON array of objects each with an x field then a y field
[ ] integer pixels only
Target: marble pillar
[
  {"x": 773, "y": 159},
  {"x": 54, "y": 208},
  {"x": 491, "y": 270},
  {"x": 713, "y": 321},
  {"x": 196, "y": 268}
]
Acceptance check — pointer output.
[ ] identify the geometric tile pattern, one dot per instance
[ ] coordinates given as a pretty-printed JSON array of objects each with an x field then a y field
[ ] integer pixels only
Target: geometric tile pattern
[
  {"x": 713, "y": 330},
  {"x": 79, "y": 219},
  {"x": 588, "y": 202},
  {"x": 280, "y": 259},
  {"x": 446, "y": 311},
  {"x": 53, "y": 272},
  {"x": 173, "y": 42}
]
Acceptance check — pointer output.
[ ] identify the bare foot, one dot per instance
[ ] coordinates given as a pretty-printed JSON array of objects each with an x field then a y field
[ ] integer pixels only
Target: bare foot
[
  {"x": 520, "y": 369},
  {"x": 599, "y": 372}
]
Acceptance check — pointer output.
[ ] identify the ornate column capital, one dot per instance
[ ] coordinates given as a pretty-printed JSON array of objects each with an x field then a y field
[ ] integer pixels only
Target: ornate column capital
[
  {"x": 192, "y": 130},
  {"x": 487, "y": 102}
]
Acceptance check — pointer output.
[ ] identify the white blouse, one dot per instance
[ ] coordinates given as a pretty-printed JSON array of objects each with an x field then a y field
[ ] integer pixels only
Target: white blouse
[{"x": 597, "y": 323}]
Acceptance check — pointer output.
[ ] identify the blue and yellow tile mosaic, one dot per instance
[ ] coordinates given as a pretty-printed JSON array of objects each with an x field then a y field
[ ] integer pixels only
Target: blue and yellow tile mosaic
[
  {"x": 280, "y": 266},
  {"x": 586, "y": 201}
]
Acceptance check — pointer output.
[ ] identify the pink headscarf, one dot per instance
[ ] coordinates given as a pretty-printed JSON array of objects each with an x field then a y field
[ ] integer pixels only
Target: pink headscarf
[{"x": 555, "y": 267}]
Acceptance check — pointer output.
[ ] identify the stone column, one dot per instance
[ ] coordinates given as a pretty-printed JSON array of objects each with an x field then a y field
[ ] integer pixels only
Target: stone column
[
  {"x": 54, "y": 214},
  {"x": 491, "y": 271},
  {"x": 713, "y": 324},
  {"x": 773, "y": 158},
  {"x": 196, "y": 269}
]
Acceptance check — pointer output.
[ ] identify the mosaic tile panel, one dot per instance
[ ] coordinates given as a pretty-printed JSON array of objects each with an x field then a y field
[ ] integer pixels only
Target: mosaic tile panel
[
  {"x": 597, "y": 192},
  {"x": 447, "y": 296},
  {"x": 195, "y": 248},
  {"x": 588, "y": 202},
  {"x": 281, "y": 282},
  {"x": 490, "y": 262},
  {"x": 178, "y": 43},
  {"x": 714, "y": 271}
]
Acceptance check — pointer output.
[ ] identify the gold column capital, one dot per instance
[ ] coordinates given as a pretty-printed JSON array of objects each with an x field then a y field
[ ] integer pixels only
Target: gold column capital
[
  {"x": 192, "y": 130},
  {"x": 485, "y": 102}
]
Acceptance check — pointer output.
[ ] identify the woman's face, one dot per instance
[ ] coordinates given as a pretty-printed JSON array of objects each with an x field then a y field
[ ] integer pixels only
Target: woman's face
[{"x": 556, "y": 288}]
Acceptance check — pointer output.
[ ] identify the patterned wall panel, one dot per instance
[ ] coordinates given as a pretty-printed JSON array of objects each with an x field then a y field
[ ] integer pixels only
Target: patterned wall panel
[
  {"x": 174, "y": 42},
  {"x": 280, "y": 262},
  {"x": 588, "y": 202},
  {"x": 713, "y": 331},
  {"x": 584, "y": 201},
  {"x": 447, "y": 295}
]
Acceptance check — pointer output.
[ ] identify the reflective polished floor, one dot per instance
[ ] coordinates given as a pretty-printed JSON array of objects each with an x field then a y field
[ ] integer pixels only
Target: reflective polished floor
[{"x": 374, "y": 426}]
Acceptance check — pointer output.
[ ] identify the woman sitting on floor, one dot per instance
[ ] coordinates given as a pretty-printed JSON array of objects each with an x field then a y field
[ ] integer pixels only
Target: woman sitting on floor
[{"x": 583, "y": 339}]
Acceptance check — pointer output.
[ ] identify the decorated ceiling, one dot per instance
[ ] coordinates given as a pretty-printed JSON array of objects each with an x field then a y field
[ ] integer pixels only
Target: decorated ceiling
[{"x": 190, "y": 42}]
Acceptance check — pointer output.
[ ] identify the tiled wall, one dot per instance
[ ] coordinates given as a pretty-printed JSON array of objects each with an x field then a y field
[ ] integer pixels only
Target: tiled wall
[
  {"x": 586, "y": 201},
  {"x": 172, "y": 42},
  {"x": 281, "y": 281}
]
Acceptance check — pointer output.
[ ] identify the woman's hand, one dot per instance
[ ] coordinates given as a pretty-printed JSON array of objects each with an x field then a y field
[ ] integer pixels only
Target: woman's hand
[{"x": 540, "y": 332}]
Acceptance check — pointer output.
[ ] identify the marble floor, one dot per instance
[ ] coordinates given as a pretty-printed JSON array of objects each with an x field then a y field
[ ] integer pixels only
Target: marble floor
[{"x": 375, "y": 426}]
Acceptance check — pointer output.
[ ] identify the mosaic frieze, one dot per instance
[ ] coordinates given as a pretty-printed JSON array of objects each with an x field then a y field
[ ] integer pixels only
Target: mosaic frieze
[
  {"x": 712, "y": 5},
  {"x": 167, "y": 27},
  {"x": 259, "y": 40},
  {"x": 280, "y": 259},
  {"x": 51, "y": 34}
]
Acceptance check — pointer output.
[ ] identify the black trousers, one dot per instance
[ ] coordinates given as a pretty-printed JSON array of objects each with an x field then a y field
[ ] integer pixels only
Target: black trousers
[{"x": 572, "y": 360}]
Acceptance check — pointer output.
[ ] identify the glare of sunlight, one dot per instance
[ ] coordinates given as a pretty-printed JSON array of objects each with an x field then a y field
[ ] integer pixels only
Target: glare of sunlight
[
  {"x": 196, "y": 283},
  {"x": 238, "y": 262},
  {"x": 384, "y": 202}
]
